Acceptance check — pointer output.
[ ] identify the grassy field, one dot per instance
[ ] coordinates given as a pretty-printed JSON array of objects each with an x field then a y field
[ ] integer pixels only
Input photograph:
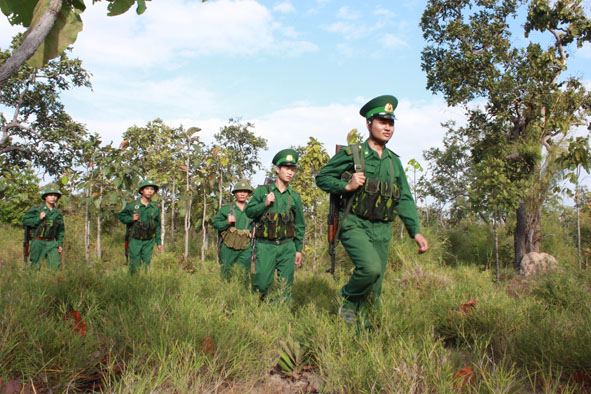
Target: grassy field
[{"x": 181, "y": 329}]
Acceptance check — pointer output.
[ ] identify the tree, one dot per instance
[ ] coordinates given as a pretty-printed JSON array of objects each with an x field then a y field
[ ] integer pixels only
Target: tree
[
  {"x": 529, "y": 104},
  {"x": 314, "y": 200},
  {"x": 19, "y": 188},
  {"x": 238, "y": 156},
  {"x": 39, "y": 131},
  {"x": 52, "y": 26},
  {"x": 577, "y": 157}
]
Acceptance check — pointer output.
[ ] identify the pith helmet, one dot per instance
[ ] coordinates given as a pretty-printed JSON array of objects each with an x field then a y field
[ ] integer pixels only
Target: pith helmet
[
  {"x": 50, "y": 190},
  {"x": 242, "y": 185},
  {"x": 286, "y": 157},
  {"x": 148, "y": 182},
  {"x": 380, "y": 107}
]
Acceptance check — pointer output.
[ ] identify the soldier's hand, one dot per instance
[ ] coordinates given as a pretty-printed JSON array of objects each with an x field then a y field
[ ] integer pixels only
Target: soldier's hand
[
  {"x": 270, "y": 199},
  {"x": 357, "y": 180},
  {"x": 59, "y": 249},
  {"x": 231, "y": 219},
  {"x": 422, "y": 243},
  {"x": 136, "y": 216},
  {"x": 298, "y": 259},
  {"x": 160, "y": 249},
  {"x": 42, "y": 215}
]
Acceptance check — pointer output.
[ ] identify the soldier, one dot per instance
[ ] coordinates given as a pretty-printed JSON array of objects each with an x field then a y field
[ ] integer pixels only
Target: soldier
[
  {"x": 142, "y": 217},
  {"x": 235, "y": 231},
  {"x": 47, "y": 226},
  {"x": 374, "y": 186},
  {"x": 280, "y": 226}
]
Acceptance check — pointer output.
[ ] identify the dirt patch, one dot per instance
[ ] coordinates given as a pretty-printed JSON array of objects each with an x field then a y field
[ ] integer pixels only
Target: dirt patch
[{"x": 518, "y": 287}]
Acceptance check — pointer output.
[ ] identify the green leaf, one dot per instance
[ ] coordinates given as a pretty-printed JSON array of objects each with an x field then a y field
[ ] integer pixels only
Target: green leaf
[
  {"x": 63, "y": 33},
  {"x": 64, "y": 180},
  {"x": 19, "y": 12},
  {"x": 141, "y": 6},
  {"x": 118, "y": 7}
]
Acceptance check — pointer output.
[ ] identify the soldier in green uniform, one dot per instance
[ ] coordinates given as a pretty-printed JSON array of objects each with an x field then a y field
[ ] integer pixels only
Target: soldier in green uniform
[
  {"x": 142, "y": 217},
  {"x": 235, "y": 230},
  {"x": 373, "y": 182},
  {"x": 280, "y": 226},
  {"x": 47, "y": 226}
]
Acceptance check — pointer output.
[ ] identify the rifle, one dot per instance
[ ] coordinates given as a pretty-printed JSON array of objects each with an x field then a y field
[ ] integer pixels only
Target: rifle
[
  {"x": 253, "y": 255},
  {"x": 127, "y": 245},
  {"x": 26, "y": 241},
  {"x": 333, "y": 224}
]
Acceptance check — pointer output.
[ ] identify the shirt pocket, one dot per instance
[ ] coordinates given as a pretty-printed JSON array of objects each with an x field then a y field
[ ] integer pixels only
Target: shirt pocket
[{"x": 371, "y": 169}]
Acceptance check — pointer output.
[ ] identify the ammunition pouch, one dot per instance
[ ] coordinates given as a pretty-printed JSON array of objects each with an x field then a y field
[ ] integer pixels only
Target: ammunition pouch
[
  {"x": 236, "y": 239},
  {"x": 143, "y": 230},
  {"x": 376, "y": 200},
  {"x": 47, "y": 228},
  {"x": 273, "y": 225}
]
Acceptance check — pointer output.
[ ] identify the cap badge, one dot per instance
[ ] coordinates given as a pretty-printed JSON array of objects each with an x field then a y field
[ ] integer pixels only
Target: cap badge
[
  {"x": 289, "y": 158},
  {"x": 389, "y": 107}
]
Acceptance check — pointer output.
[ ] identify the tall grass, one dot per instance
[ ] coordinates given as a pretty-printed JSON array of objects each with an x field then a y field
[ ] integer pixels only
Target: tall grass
[{"x": 172, "y": 331}]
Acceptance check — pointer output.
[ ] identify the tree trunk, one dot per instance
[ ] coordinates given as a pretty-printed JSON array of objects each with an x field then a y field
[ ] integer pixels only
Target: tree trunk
[
  {"x": 220, "y": 189},
  {"x": 31, "y": 42},
  {"x": 98, "y": 224},
  {"x": 578, "y": 222},
  {"x": 162, "y": 223},
  {"x": 496, "y": 232},
  {"x": 519, "y": 239},
  {"x": 172, "y": 204},
  {"x": 203, "y": 227},
  {"x": 86, "y": 227}
]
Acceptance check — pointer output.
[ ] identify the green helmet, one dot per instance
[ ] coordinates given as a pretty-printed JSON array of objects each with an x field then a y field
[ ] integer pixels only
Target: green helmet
[
  {"x": 380, "y": 107},
  {"x": 148, "y": 182},
  {"x": 242, "y": 184},
  {"x": 50, "y": 190}
]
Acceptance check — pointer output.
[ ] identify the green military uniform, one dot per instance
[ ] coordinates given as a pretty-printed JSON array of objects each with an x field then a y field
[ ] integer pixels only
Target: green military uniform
[
  {"x": 145, "y": 232},
  {"x": 367, "y": 240},
  {"x": 48, "y": 233},
  {"x": 235, "y": 244},
  {"x": 280, "y": 230}
]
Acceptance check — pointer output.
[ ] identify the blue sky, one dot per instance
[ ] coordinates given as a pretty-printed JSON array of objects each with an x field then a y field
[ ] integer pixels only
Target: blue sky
[{"x": 294, "y": 69}]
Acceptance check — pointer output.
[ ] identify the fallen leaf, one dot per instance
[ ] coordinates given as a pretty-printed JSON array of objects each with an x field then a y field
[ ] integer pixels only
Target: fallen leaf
[
  {"x": 207, "y": 346},
  {"x": 463, "y": 377}
]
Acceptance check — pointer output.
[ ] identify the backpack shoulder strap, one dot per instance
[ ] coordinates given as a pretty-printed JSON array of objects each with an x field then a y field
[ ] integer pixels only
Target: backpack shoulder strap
[{"x": 358, "y": 160}]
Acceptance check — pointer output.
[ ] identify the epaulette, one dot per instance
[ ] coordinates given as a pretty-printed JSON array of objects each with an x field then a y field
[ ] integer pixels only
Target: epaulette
[
  {"x": 394, "y": 153},
  {"x": 36, "y": 206},
  {"x": 129, "y": 201},
  {"x": 158, "y": 205},
  {"x": 348, "y": 151}
]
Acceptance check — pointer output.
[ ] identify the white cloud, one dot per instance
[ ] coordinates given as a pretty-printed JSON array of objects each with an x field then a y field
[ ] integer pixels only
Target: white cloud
[
  {"x": 350, "y": 30},
  {"x": 380, "y": 11},
  {"x": 284, "y": 8},
  {"x": 7, "y": 31},
  {"x": 390, "y": 41},
  {"x": 347, "y": 14},
  {"x": 171, "y": 32},
  {"x": 345, "y": 50}
]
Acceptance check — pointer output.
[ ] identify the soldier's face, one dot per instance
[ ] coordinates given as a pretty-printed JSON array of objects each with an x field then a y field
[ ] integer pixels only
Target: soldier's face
[
  {"x": 285, "y": 173},
  {"x": 381, "y": 130},
  {"x": 241, "y": 195},
  {"x": 51, "y": 198},
  {"x": 148, "y": 191}
]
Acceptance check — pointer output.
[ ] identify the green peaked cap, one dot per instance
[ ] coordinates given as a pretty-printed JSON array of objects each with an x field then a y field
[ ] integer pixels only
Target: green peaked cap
[
  {"x": 50, "y": 190},
  {"x": 148, "y": 182},
  {"x": 242, "y": 185},
  {"x": 381, "y": 107},
  {"x": 286, "y": 157}
]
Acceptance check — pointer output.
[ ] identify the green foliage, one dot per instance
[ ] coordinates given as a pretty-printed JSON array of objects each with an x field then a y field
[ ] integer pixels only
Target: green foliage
[
  {"x": 19, "y": 189},
  {"x": 39, "y": 131}
]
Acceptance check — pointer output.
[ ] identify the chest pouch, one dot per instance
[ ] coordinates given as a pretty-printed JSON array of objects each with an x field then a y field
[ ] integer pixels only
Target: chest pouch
[
  {"x": 235, "y": 238},
  {"x": 143, "y": 230},
  {"x": 274, "y": 225},
  {"x": 48, "y": 228}
]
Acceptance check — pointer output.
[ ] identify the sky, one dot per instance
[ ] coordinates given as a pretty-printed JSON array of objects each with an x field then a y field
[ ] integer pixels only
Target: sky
[{"x": 295, "y": 69}]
